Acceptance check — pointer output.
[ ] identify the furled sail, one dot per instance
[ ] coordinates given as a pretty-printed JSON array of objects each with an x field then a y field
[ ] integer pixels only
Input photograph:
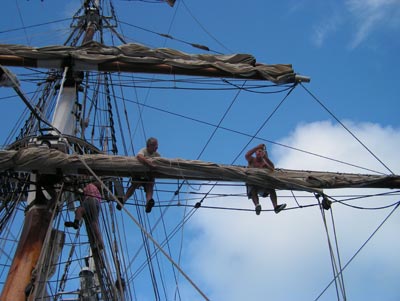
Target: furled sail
[
  {"x": 45, "y": 160},
  {"x": 138, "y": 58}
]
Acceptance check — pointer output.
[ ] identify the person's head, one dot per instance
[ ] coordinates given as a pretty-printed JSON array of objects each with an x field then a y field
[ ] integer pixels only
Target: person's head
[
  {"x": 97, "y": 184},
  {"x": 260, "y": 152},
  {"x": 152, "y": 145}
]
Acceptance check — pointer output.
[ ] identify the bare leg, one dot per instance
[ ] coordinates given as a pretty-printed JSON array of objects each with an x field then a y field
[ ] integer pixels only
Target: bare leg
[
  {"x": 149, "y": 197},
  {"x": 96, "y": 232},
  {"x": 254, "y": 197},
  {"x": 256, "y": 201},
  {"x": 149, "y": 191},
  {"x": 274, "y": 198},
  {"x": 79, "y": 213},
  {"x": 130, "y": 191}
]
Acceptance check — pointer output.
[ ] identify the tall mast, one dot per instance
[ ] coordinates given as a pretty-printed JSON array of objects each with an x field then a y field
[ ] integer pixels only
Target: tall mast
[{"x": 24, "y": 275}]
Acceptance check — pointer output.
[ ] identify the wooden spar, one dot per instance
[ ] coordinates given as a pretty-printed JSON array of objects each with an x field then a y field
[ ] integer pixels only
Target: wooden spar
[
  {"x": 45, "y": 160},
  {"x": 16, "y": 61},
  {"x": 137, "y": 58}
]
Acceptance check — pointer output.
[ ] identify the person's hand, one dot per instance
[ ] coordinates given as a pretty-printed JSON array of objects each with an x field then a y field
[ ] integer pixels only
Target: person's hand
[{"x": 150, "y": 163}]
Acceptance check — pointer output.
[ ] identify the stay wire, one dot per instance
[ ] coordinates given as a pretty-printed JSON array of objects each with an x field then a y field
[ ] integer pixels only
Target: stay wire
[
  {"x": 259, "y": 129},
  {"x": 359, "y": 250},
  {"x": 347, "y": 129},
  {"x": 35, "y": 25},
  {"x": 252, "y": 136},
  {"x": 145, "y": 237},
  {"x": 264, "y": 123},
  {"x": 114, "y": 238},
  {"x": 338, "y": 256},
  {"x": 169, "y": 36},
  {"x": 160, "y": 219},
  {"x": 119, "y": 117},
  {"x": 157, "y": 259},
  {"x": 162, "y": 215},
  {"x": 286, "y": 88},
  {"x": 22, "y": 21},
  {"x": 164, "y": 227},
  {"x": 202, "y": 27},
  {"x": 169, "y": 237},
  {"x": 295, "y": 198},
  {"x": 220, "y": 122},
  {"x": 343, "y": 202},
  {"x": 331, "y": 253},
  {"x": 146, "y": 245},
  {"x": 215, "y": 130}
]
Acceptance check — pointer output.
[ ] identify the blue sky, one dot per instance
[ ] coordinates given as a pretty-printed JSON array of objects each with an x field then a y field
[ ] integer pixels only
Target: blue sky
[{"x": 350, "y": 50}]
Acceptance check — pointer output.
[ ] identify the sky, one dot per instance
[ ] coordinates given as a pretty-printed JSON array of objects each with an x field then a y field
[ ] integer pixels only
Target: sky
[{"x": 349, "y": 112}]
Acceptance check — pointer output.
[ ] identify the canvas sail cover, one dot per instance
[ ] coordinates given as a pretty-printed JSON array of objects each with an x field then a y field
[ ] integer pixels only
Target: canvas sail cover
[
  {"x": 47, "y": 160},
  {"x": 139, "y": 58}
]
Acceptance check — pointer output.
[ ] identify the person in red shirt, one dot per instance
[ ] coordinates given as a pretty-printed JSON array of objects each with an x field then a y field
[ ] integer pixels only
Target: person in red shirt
[{"x": 261, "y": 160}]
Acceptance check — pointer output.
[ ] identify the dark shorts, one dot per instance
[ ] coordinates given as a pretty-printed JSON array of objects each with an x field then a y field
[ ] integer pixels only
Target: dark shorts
[
  {"x": 262, "y": 192},
  {"x": 92, "y": 208},
  {"x": 142, "y": 181}
]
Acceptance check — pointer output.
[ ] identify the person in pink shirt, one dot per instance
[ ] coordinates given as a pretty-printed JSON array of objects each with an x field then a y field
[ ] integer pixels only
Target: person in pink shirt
[
  {"x": 261, "y": 160},
  {"x": 89, "y": 210}
]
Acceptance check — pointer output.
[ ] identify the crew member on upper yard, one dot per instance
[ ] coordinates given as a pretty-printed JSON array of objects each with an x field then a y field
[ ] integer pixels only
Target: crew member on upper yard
[
  {"x": 261, "y": 160},
  {"x": 147, "y": 181}
]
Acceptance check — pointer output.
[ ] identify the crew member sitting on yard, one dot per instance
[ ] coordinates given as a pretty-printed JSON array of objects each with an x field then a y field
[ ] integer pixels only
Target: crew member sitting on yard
[
  {"x": 147, "y": 182},
  {"x": 261, "y": 160}
]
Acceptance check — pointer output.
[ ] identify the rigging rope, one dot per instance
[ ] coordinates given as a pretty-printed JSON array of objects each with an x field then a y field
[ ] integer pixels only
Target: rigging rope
[
  {"x": 338, "y": 256},
  {"x": 159, "y": 247},
  {"x": 45, "y": 250},
  {"x": 331, "y": 252},
  {"x": 347, "y": 129},
  {"x": 359, "y": 250},
  {"x": 265, "y": 122},
  {"x": 254, "y": 136}
]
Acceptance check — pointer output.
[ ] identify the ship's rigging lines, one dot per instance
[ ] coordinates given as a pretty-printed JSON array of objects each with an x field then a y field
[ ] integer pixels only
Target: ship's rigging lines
[{"x": 109, "y": 219}]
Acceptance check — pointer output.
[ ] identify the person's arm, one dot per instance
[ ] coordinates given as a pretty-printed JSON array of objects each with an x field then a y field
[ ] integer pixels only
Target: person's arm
[
  {"x": 268, "y": 161},
  {"x": 250, "y": 153},
  {"x": 145, "y": 160}
]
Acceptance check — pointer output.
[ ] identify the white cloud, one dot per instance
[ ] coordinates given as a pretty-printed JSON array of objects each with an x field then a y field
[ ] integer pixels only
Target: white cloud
[
  {"x": 359, "y": 18},
  {"x": 370, "y": 15},
  {"x": 334, "y": 141},
  {"x": 240, "y": 256},
  {"x": 322, "y": 31}
]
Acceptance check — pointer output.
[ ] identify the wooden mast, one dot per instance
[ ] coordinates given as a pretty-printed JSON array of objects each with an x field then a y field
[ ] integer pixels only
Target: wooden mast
[
  {"x": 23, "y": 277},
  {"x": 38, "y": 217}
]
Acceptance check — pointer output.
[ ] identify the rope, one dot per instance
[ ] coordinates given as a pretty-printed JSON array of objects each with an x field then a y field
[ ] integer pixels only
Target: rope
[
  {"x": 338, "y": 256},
  {"x": 347, "y": 129},
  {"x": 154, "y": 253},
  {"x": 170, "y": 236},
  {"x": 253, "y": 136},
  {"x": 359, "y": 250},
  {"x": 333, "y": 261},
  {"x": 159, "y": 247},
  {"x": 44, "y": 250}
]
